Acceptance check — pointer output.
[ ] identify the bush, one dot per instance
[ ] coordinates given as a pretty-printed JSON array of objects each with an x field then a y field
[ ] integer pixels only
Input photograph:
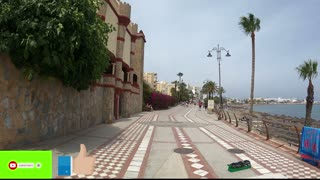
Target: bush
[
  {"x": 147, "y": 90},
  {"x": 66, "y": 40},
  {"x": 161, "y": 101}
]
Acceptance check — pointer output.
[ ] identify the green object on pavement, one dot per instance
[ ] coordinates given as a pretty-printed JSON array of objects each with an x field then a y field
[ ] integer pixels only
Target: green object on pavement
[{"x": 230, "y": 169}]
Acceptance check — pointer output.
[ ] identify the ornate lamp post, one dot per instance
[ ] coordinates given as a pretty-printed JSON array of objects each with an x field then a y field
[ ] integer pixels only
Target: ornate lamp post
[{"x": 218, "y": 51}]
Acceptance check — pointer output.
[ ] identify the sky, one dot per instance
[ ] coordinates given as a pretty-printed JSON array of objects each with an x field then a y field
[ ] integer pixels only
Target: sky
[{"x": 179, "y": 34}]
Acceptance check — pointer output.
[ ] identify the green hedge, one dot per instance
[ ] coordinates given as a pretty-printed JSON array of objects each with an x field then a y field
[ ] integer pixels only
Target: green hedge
[{"x": 54, "y": 38}]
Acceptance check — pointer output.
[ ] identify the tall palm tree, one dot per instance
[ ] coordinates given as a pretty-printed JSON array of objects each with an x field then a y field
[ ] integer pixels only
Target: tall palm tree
[
  {"x": 204, "y": 89},
  {"x": 250, "y": 25},
  {"x": 308, "y": 70},
  {"x": 210, "y": 87}
]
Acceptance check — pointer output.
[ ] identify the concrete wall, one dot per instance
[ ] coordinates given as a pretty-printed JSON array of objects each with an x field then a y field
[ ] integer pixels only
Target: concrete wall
[
  {"x": 127, "y": 48},
  {"x": 112, "y": 18},
  {"x": 39, "y": 109}
]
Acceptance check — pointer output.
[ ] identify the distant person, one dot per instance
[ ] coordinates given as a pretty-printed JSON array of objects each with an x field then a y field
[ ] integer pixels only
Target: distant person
[
  {"x": 149, "y": 106},
  {"x": 200, "y": 105}
]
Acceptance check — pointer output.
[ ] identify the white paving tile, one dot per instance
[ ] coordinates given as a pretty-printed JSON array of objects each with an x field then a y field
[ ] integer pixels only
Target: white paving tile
[
  {"x": 200, "y": 172},
  {"x": 192, "y": 155},
  {"x": 137, "y": 159},
  {"x": 194, "y": 160},
  {"x": 136, "y": 163},
  {"x": 102, "y": 174},
  {"x": 197, "y": 165},
  {"x": 263, "y": 170},
  {"x": 112, "y": 176}
]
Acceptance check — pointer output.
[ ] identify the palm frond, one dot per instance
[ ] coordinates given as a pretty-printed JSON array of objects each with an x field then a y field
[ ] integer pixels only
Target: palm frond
[
  {"x": 257, "y": 24},
  {"x": 244, "y": 25},
  {"x": 249, "y": 24},
  {"x": 308, "y": 70},
  {"x": 251, "y": 18}
]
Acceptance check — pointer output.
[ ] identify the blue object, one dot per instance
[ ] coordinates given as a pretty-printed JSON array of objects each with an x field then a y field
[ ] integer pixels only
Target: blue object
[
  {"x": 314, "y": 163},
  {"x": 310, "y": 145},
  {"x": 64, "y": 166}
]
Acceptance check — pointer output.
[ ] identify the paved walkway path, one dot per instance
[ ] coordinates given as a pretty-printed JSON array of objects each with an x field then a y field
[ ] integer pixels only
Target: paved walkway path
[{"x": 143, "y": 147}]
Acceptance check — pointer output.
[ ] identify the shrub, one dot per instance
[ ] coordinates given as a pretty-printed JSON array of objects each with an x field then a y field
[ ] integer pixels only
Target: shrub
[
  {"x": 66, "y": 40},
  {"x": 147, "y": 90},
  {"x": 161, "y": 101}
]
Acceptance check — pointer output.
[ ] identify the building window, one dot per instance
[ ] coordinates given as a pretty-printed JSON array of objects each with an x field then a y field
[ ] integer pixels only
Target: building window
[
  {"x": 135, "y": 81},
  {"x": 135, "y": 78},
  {"x": 125, "y": 74}
]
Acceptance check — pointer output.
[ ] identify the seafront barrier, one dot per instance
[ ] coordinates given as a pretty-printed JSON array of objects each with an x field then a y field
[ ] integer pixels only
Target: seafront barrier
[{"x": 281, "y": 128}]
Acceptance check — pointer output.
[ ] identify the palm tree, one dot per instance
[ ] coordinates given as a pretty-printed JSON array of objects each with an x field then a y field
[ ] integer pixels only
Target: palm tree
[
  {"x": 221, "y": 90},
  {"x": 250, "y": 25},
  {"x": 210, "y": 87},
  {"x": 308, "y": 70}
]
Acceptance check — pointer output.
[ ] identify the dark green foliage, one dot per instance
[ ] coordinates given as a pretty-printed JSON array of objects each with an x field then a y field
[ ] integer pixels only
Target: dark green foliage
[
  {"x": 210, "y": 88},
  {"x": 183, "y": 93},
  {"x": 147, "y": 90},
  {"x": 64, "y": 39}
]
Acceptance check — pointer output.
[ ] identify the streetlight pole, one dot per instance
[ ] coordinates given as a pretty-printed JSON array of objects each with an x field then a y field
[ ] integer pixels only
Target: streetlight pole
[
  {"x": 180, "y": 74},
  {"x": 218, "y": 51}
]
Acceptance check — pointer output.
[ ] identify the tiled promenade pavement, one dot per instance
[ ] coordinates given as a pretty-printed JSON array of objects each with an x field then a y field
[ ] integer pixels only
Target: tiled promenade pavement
[{"x": 145, "y": 149}]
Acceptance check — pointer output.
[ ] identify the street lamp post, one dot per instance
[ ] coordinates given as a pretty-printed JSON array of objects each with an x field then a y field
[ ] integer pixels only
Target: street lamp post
[
  {"x": 218, "y": 50},
  {"x": 180, "y": 74}
]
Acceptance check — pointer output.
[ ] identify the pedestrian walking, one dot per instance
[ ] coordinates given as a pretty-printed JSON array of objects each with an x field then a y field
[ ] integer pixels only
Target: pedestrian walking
[{"x": 200, "y": 105}]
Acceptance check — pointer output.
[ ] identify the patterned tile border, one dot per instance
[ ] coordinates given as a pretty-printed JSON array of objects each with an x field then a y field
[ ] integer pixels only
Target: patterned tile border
[
  {"x": 195, "y": 164},
  {"x": 112, "y": 159},
  {"x": 145, "y": 160},
  {"x": 255, "y": 135},
  {"x": 259, "y": 155},
  {"x": 138, "y": 163}
]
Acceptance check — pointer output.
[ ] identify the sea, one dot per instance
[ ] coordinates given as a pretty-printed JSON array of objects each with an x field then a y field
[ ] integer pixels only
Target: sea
[{"x": 294, "y": 110}]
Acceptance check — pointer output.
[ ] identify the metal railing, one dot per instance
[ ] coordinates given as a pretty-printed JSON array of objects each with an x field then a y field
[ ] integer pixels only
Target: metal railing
[{"x": 286, "y": 130}]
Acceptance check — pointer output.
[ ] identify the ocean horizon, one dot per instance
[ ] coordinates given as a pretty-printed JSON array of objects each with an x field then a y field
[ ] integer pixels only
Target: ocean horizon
[{"x": 294, "y": 110}]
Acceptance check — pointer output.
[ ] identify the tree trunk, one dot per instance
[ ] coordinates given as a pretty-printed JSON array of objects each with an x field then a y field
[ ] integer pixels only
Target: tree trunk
[
  {"x": 253, "y": 69},
  {"x": 309, "y": 104}
]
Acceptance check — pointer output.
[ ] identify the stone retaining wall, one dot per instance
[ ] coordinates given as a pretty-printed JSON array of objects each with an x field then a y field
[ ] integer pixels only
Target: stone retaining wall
[{"x": 31, "y": 111}]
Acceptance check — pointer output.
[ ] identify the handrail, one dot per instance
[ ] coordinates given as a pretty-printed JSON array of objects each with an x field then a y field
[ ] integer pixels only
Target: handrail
[
  {"x": 249, "y": 125},
  {"x": 285, "y": 129},
  {"x": 225, "y": 116},
  {"x": 229, "y": 117},
  {"x": 285, "y": 136},
  {"x": 267, "y": 130},
  {"x": 237, "y": 124},
  {"x": 298, "y": 135}
]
